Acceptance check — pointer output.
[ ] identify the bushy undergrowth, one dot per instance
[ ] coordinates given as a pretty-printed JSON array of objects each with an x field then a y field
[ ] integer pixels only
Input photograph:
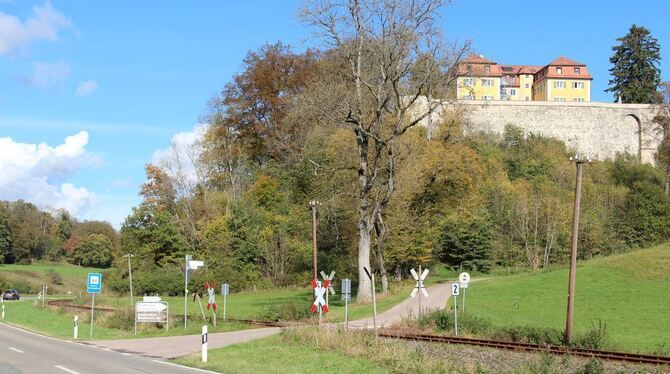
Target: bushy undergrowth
[
  {"x": 595, "y": 338},
  {"x": 290, "y": 311}
]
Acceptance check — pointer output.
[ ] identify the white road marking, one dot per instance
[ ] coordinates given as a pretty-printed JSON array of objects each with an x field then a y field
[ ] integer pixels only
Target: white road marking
[
  {"x": 66, "y": 369},
  {"x": 15, "y": 350},
  {"x": 184, "y": 367}
]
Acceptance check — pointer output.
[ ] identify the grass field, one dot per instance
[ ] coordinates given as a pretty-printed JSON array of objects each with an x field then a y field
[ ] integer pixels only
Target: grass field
[
  {"x": 629, "y": 292},
  {"x": 29, "y": 278}
]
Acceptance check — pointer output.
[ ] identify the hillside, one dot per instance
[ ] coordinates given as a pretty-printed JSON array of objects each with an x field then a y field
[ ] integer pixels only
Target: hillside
[
  {"x": 28, "y": 279},
  {"x": 629, "y": 292}
]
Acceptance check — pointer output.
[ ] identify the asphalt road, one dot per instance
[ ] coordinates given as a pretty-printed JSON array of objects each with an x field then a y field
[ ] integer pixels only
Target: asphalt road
[{"x": 26, "y": 352}]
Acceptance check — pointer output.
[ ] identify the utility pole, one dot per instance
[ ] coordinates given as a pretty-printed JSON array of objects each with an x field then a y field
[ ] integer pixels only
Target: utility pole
[
  {"x": 579, "y": 162},
  {"x": 130, "y": 276},
  {"x": 313, "y": 204}
]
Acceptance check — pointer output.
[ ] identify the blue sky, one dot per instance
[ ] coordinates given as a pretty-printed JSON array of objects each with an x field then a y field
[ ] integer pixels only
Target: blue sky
[{"x": 132, "y": 75}]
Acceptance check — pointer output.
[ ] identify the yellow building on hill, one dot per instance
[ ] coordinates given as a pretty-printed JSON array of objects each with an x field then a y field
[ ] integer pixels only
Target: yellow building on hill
[{"x": 560, "y": 80}]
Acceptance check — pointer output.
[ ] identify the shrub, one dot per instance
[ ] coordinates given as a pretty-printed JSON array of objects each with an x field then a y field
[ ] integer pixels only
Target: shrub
[
  {"x": 168, "y": 280},
  {"x": 595, "y": 338},
  {"x": 291, "y": 311},
  {"x": 54, "y": 277},
  {"x": 594, "y": 366}
]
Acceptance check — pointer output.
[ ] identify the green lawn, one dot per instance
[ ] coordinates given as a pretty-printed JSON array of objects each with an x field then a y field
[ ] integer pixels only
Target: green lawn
[
  {"x": 273, "y": 355},
  {"x": 629, "y": 292},
  {"x": 29, "y": 278}
]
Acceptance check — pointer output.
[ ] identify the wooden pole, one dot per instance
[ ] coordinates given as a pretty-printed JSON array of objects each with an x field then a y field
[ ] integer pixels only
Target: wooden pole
[{"x": 573, "y": 253}]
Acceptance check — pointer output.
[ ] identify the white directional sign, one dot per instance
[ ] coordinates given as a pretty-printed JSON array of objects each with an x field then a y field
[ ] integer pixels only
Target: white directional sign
[
  {"x": 455, "y": 289},
  {"x": 194, "y": 265},
  {"x": 464, "y": 278},
  {"x": 151, "y": 312},
  {"x": 419, "y": 282}
]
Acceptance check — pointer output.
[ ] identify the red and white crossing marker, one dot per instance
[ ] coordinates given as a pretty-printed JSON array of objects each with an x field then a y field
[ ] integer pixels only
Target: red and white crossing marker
[
  {"x": 211, "y": 291},
  {"x": 319, "y": 291}
]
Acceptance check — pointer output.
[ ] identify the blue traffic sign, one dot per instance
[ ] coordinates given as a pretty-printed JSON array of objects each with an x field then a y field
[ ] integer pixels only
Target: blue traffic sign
[{"x": 94, "y": 284}]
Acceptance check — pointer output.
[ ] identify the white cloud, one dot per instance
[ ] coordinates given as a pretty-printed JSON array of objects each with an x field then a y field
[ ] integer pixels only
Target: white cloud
[
  {"x": 44, "y": 24},
  {"x": 38, "y": 173},
  {"x": 180, "y": 158},
  {"x": 86, "y": 88},
  {"x": 48, "y": 76}
]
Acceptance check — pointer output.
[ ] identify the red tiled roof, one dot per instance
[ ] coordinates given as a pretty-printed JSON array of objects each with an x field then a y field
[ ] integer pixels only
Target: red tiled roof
[
  {"x": 477, "y": 59},
  {"x": 564, "y": 61}
]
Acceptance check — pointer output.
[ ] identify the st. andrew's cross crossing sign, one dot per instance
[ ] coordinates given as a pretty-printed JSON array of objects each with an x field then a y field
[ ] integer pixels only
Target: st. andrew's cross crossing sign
[
  {"x": 419, "y": 282},
  {"x": 319, "y": 291},
  {"x": 211, "y": 290}
]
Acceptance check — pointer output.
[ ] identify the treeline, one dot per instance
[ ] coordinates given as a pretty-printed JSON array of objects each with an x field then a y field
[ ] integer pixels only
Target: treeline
[
  {"x": 28, "y": 234},
  {"x": 237, "y": 199}
]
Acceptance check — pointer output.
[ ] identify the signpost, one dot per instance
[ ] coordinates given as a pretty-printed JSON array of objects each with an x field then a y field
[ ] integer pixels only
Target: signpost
[
  {"x": 189, "y": 264},
  {"x": 225, "y": 290},
  {"x": 371, "y": 276},
  {"x": 346, "y": 296},
  {"x": 330, "y": 288},
  {"x": 211, "y": 299},
  {"x": 455, "y": 290},
  {"x": 319, "y": 303},
  {"x": 419, "y": 285},
  {"x": 93, "y": 286},
  {"x": 152, "y": 310},
  {"x": 464, "y": 278}
]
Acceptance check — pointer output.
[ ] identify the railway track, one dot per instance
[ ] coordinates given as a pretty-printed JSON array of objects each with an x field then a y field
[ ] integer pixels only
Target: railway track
[{"x": 527, "y": 347}]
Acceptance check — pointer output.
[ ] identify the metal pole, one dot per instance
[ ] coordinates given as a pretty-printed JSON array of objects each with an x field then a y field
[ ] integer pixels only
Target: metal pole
[
  {"x": 185, "y": 290},
  {"x": 573, "y": 254},
  {"x": 130, "y": 276},
  {"x": 92, "y": 311},
  {"x": 456, "y": 315},
  {"x": 463, "y": 308},
  {"x": 346, "y": 312},
  {"x": 419, "y": 281},
  {"x": 225, "y": 296}
]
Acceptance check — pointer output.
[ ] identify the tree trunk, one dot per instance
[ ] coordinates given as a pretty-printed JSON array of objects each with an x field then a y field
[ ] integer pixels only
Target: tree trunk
[
  {"x": 381, "y": 231},
  {"x": 364, "y": 284}
]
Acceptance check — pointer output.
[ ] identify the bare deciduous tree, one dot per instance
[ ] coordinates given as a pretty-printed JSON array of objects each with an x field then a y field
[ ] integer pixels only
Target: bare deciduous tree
[{"x": 394, "y": 57}]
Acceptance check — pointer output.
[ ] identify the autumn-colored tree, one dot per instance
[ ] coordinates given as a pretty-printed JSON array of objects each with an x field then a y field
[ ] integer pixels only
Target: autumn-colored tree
[{"x": 158, "y": 192}]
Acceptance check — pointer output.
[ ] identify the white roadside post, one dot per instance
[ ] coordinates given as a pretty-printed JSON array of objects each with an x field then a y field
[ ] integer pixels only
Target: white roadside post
[
  {"x": 455, "y": 290},
  {"x": 346, "y": 296},
  {"x": 419, "y": 285},
  {"x": 204, "y": 343},
  {"x": 464, "y": 278},
  {"x": 76, "y": 327},
  {"x": 3, "y": 311}
]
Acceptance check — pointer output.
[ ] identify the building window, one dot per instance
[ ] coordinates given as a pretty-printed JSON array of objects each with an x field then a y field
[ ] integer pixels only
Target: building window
[
  {"x": 487, "y": 68},
  {"x": 527, "y": 98},
  {"x": 578, "y": 84},
  {"x": 468, "y": 82},
  {"x": 527, "y": 85},
  {"x": 470, "y": 96},
  {"x": 577, "y": 71},
  {"x": 559, "y": 70},
  {"x": 559, "y": 84},
  {"x": 559, "y": 99},
  {"x": 512, "y": 92},
  {"x": 578, "y": 99},
  {"x": 488, "y": 97},
  {"x": 487, "y": 82}
]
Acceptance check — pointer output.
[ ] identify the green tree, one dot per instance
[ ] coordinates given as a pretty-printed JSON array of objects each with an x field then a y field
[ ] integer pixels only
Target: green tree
[
  {"x": 6, "y": 255},
  {"x": 467, "y": 243},
  {"x": 636, "y": 72},
  {"x": 94, "y": 250},
  {"x": 645, "y": 216}
]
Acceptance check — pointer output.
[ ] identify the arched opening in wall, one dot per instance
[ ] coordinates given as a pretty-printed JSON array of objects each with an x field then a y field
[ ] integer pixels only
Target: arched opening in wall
[{"x": 638, "y": 125}]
